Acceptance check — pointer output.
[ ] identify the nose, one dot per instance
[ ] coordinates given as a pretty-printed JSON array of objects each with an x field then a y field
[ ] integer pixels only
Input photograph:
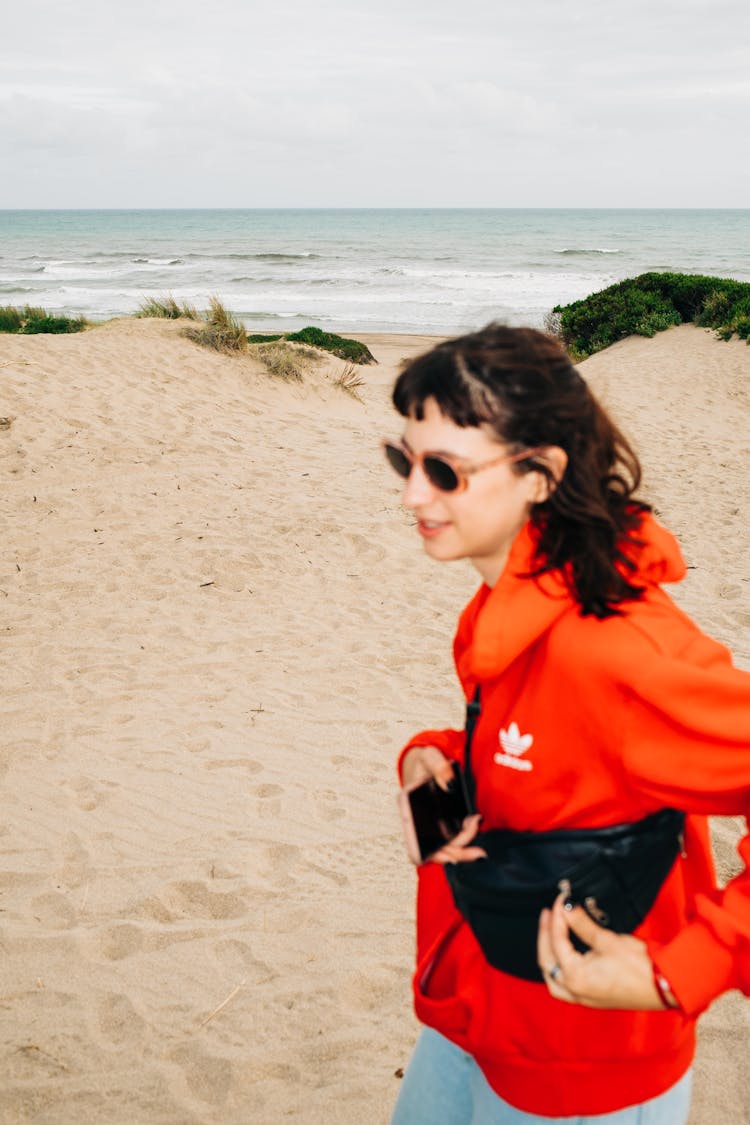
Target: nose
[{"x": 417, "y": 489}]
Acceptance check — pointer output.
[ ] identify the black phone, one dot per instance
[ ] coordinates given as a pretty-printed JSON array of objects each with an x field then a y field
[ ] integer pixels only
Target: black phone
[{"x": 433, "y": 816}]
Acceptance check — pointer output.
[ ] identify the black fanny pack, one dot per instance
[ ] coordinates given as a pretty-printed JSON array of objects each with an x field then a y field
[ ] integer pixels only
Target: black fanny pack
[{"x": 614, "y": 873}]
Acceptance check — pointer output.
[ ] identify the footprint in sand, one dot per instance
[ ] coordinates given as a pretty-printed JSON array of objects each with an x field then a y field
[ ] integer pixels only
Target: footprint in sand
[
  {"x": 118, "y": 942},
  {"x": 246, "y": 764},
  {"x": 376, "y": 989},
  {"x": 268, "y": 791},
  {"x": 328, "y": 806},
  {"x": 89, "y": 794},
  {"x": 118, "y": 1020},
  {"x": 268, "y": 804},
  {"x": 283, "y": 857},
  {"x": 237, "y": 958},
  {"x": 54, "y": 912},
  {"x": 208, "y": 1077},
  {"x": 186, "y": 900},
  {"x": 197, "y": 745},
  {"x": 76, "y": 868}
]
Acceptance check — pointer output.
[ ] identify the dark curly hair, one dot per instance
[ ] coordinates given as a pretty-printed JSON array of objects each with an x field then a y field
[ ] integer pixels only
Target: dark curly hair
[{"x": 521, "y": 383}]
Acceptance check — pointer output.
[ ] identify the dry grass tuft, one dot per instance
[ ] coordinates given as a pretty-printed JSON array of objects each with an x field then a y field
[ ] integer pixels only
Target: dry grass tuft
[
  {"x": 221, "y": 330},
  {"x": 349, "y": 379},
  {"x": 166, "y": 308},
  {"x": 286, "y": 361}
]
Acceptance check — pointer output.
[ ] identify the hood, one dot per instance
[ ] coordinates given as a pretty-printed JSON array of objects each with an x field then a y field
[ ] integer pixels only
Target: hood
[
  {"x": 660, "y": 559},
  {"x": 500, "y": 623}
]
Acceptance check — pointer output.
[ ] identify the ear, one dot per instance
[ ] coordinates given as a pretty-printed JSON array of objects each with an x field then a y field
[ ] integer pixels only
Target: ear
[{"x": 556, "y": 460}]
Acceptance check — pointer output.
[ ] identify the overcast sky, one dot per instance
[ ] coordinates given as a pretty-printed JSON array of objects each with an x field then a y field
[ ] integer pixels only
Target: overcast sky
[{"x": 363, "y": 103}]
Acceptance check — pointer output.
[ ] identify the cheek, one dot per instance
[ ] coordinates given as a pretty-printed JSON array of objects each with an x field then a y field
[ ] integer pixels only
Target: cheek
[{"x": 504, "y": 511}]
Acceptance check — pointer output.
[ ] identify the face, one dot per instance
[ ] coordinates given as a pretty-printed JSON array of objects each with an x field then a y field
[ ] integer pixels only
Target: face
[{"x": 481, "y": 522}]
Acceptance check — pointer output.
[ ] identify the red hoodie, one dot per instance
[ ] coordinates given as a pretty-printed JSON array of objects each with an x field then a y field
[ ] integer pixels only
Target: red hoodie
[{"x": 607, "y": 721}]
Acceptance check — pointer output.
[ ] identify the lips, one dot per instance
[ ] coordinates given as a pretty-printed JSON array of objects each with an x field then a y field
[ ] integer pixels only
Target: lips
[{"x": 428, "y": 529}]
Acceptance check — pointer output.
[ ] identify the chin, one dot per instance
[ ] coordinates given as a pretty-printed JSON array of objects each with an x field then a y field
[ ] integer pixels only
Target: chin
[{"x": 442, "y": 552}]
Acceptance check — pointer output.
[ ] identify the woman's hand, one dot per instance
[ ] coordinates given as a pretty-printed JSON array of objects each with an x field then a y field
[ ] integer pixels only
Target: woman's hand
[
  {"x": 616, "y": 972},
  {"x": 422, "y": 763},
  {"x": 458, "y": 851}
]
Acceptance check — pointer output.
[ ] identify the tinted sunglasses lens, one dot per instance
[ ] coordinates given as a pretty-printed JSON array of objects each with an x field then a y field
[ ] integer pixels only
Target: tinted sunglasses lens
[
  {"x": 397, "y": 459},
  {"x": 441, "y": 474}
]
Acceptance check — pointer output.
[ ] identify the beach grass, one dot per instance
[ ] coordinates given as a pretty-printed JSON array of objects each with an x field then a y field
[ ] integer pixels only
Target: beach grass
[
  {"x": 166, "y": 308},
  {"x": 286, "y": 361},
  {"x": 220, "y": 329},
  {"x": 349, "y": 380},
  {"x": 32, "y": 320}
]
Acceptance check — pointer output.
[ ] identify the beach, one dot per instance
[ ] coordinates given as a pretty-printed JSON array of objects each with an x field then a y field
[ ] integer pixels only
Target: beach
[{"x": 218, "y": 629}]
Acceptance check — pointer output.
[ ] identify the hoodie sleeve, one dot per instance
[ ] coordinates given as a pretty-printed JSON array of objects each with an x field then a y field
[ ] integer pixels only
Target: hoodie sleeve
[
  {"x": 451, "y": 742},
  {"x": 687, "y": 744}
]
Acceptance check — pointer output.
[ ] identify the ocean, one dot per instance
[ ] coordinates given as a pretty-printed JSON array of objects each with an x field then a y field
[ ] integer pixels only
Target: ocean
[{"x": 430, "y": 271}]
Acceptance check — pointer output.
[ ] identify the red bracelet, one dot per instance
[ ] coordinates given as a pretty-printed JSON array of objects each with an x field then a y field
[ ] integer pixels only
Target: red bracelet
[{"x": 667, "y": 997}]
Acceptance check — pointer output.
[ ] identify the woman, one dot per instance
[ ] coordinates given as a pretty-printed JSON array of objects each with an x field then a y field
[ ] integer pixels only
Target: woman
[{"x": 601, "y": 704}]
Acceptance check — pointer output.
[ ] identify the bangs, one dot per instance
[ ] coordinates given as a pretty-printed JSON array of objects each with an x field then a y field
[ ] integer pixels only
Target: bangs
[{"x": 443, "y": 375}]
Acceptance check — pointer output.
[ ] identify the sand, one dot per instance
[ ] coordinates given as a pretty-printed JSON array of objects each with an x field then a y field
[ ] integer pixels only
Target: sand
[{"x": 217, "y": 629}]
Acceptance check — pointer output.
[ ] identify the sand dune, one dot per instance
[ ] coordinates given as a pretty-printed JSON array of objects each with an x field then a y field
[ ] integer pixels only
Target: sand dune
[{"x": 217, "y": 630}]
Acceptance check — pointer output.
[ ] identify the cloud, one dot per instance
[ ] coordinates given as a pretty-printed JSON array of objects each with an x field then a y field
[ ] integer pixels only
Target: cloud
[
  {"x": 64, "y": 127},
  {"x": 422, "y": 103}
]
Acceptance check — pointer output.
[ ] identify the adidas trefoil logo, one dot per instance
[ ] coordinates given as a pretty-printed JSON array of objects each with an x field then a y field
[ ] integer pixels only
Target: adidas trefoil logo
[{"x": 514, "y": 744}]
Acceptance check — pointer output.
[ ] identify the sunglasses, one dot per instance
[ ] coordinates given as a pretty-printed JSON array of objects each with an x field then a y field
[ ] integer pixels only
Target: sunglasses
[{"x": 447, "y": 474}]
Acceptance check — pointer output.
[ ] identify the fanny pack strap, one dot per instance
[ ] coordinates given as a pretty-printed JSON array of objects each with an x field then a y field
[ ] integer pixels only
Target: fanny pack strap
[{"x": 473, "y": 711}]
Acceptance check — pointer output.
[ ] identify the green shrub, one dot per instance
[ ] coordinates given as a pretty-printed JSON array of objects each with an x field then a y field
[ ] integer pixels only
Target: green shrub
[
  {"x": 31, "y": 320},
  {"x": 716, "y": 306},
  {"x": 656, "y": 321},
  {"x": 648, "y": 304},
  {"x": 53, "y": 324},
  {"x": 738, "y": 319},
  {"x": 340, "y": 346},
  {"x": 351, "y": 350}
]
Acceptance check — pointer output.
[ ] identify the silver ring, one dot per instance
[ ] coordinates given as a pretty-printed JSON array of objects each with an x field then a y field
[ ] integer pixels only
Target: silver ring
[{"x": 554, "y": 972}]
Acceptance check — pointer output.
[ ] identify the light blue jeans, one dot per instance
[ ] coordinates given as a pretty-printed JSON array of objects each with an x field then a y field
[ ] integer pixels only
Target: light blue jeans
[{"x": 444, "y": 1086}]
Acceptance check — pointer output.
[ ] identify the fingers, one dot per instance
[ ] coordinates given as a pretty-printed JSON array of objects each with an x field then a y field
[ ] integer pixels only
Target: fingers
[
  {"x": 469, "y": 829},
  {"x": 549, "y": 962},
  {"x": 424, "y": 762},
  {"x": 442, "y": 769},
  {"x": 544, "y": 955},
  {"x": 563, "y": 967},
  {"x": 452, "y": 854},
  {"x": 548, "y": 957},
  {"x": 458, "y": 851},
  {"x": 566, "y": 917}
]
